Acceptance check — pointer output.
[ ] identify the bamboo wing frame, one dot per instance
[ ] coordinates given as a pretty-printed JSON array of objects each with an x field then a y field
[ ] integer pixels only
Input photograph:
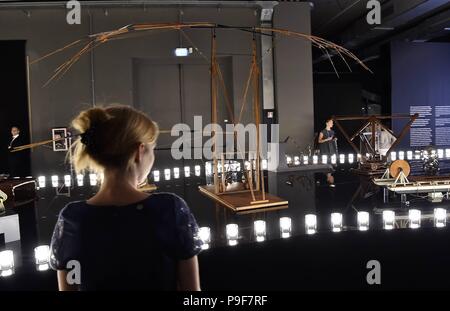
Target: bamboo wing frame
[{"x": 95, "y": 40}]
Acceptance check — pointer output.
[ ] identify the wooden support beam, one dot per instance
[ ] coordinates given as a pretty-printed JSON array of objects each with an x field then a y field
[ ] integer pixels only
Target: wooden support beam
[
  {"x": 360, "y": 130},
  {"x": 349, "y": 118},
  {"x": 345, "y": 135}
]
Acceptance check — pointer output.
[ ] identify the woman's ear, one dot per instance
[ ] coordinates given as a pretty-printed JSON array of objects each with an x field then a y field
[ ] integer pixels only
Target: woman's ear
[{"x": 140, "y": 153}]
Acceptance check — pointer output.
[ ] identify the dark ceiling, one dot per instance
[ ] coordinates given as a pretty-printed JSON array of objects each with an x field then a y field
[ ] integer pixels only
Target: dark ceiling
[
  {"x": 331, "y": 16},
  {"x": 344, "y": 21},
  {"x": 414, "y": 20}
]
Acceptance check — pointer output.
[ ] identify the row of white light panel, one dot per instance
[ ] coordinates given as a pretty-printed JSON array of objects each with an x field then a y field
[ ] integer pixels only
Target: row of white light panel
[
  {"x": 333, "y": 159},
  {"x": 93, "y": 180},
  {"x": 416, "y": 155},
  {"x": 175, "y": 172},
  {"x": 168, "y": 174},
  {"x": 324, "y": 159},
  {"x": 41, "y": 256},
  {"x": 414, "y": 217},
  {"x": 232, "y": 230}
]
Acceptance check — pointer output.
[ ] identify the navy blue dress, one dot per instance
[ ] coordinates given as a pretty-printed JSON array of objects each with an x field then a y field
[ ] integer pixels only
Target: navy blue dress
[{"x": 136, "y": 246}]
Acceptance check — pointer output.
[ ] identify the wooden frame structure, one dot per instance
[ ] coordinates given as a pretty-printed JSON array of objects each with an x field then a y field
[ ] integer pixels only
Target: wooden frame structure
[
  {"x": 373, "y": 122},
  {"x": 256, "y": 197}
]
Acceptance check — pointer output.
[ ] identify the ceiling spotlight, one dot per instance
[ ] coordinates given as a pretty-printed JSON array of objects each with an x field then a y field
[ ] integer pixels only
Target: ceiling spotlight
[
  {"x": 182, "y": 52},
  {"x": 106, "y": 12}
]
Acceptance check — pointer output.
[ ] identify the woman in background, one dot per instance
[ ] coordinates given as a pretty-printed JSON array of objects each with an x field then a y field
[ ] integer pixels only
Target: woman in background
[
  {"x": 328, "y": 145},
  {"x": 121, "y": 237}
]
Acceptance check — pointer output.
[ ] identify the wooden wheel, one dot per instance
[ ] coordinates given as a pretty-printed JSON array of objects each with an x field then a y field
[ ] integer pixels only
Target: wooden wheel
[{"x": 399, "y": 166}]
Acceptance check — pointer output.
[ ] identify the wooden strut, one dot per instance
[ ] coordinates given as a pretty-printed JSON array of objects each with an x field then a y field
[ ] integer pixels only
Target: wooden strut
[
  {"x": 360, "y": 130},
  {"x": 403, "y": 132},
  {"x": 257, "y": 113},
  {"x": 214, "y": 111},
  {"x": 41, "y": 143},
  {"x": 345, "y": 135}
]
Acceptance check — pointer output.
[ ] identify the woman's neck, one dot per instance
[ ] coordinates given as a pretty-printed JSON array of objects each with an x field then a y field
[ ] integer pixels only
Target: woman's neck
[{"x": 117, "y": 189}]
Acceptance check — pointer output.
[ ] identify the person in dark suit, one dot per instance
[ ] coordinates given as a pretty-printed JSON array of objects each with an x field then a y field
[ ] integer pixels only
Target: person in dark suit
[{"x": 15, "y": 159}]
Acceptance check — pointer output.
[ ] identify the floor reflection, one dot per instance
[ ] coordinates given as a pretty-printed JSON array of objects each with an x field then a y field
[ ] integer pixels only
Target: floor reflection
[{"x": 307, "y": 193}]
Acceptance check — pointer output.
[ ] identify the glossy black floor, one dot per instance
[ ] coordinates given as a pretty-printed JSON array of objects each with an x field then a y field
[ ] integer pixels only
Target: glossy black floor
[{"x": 306, "y": 191}]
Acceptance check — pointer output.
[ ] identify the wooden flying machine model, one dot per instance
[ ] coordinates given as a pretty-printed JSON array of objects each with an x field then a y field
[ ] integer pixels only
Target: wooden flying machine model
[
  {"x": 248, "y": 193},
  {"x": 372, "y": 163}
]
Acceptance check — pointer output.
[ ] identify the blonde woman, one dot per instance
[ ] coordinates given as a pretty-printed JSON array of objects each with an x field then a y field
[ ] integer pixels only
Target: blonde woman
[{"x": 122, "y": 238}]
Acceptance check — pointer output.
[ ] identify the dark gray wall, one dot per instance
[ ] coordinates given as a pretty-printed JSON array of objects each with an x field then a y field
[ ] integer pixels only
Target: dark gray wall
[{"x": 55, "y": 105}]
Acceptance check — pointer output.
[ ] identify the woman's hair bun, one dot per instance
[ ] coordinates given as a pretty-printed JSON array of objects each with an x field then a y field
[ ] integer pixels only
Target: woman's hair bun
[{"x": 109, "y": 136}]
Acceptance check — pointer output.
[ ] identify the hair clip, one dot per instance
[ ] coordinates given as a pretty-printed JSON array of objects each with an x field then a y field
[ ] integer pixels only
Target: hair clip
[{"x": 87, "y": 138}]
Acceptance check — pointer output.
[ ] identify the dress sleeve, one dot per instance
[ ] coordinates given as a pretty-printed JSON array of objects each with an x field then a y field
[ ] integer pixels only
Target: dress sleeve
[
  {"x": 187, "y": 242},
  {"x": 64, "y": 239}
]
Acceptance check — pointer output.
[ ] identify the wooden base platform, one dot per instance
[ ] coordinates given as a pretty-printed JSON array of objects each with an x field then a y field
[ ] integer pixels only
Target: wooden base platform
[{"x": 240, "y": 202}]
